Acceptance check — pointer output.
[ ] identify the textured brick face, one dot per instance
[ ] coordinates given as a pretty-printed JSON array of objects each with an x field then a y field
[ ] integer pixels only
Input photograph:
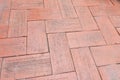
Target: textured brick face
[
  {"x": 26, "y": 66},
  {"x": 60, "y": 54},
  {"x": 67, "y": 25},
  {"x": 107, "y": 72},
  {"x": 37, "y": 39},
  {"x": 59, "y": 40},
  {"x": 83, "y": 39},
  {"x": 105, "y": 55},
  {"x": 12, "y": 47}
]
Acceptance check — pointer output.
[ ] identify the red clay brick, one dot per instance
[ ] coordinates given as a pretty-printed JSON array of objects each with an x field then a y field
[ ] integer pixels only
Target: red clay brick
[
  {"x": 91, "y": 2},
  {"x": 64, "y": 25},
  {"x": 12, "y": 47},
  {"x": 111, "y": 72},
  {"x": 83, "y": 39},
  {"x": 26, "y": 66},
  {"x": 53, "y": 5},
  {"x": 65, "y": 76},
  {"x": 84, "y": 64},
  {"x": 105, "y": 55},
  {"x": 86, "y": 19},
  {"x": 67, "y": 9},
  {"x": 115, "y": 20},
  {"x": 18, "y": 23},
  {"x": 60, "y": 54},
  {"x": 36, "y": 41},
  {"x": 4, "y": 16},
  {"x": 43, "y": 13},
  {"x": 108, "y": 30},
  {"x": 26, "y": 4},
  {"x": 105, "y": 10}
]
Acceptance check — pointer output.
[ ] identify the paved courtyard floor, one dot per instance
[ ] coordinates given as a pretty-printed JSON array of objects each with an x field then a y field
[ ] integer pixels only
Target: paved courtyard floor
[{"x": 59, "y": 40}]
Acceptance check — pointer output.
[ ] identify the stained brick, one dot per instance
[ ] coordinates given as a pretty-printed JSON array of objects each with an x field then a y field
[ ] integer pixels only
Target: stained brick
[
  {"x": 54, "y": 6},
  {"x": 105, "y": 10},
  {"x": 26, "y": 66},
  {"x": 110, "y": 34},
  {"x": 4, "y": 16},
  {"x": 105, "y": 55},
  {"x": 115, "y": 20},
  {"x": 82, "y": 39},
  {"x": 65, "y": 76},
  {"x": 18, "y": 23},
  {"x": 60, "y": 54},
  {"x": 67, "y": 9},
  {"x": 26, "y": 4},
  {"x": 37, "y": 40},
  {"x": 64, "y": 25},
  {"x": 91, "y": 2},
  {"x": 43, "y": 13},
  {"x": 84, "y": 64},
  {"x": 86, "y": 19},
  {"x": 111, "y": 72},
  {"x": 12, "y": 47}
]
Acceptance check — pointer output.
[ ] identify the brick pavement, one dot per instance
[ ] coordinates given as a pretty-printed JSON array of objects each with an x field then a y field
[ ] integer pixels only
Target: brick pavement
[{"x": 59, "y": 40}]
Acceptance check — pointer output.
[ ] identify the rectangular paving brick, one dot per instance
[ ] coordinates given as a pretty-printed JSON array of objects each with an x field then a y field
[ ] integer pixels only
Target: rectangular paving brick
[
  {"x": 105, "y": 10},
  {"x": 67, "y": 9},
  {"x": 12, "y": 46},
  {"x": 91, "y": 2},
  {"x": 64, "y": 25},
  {"x": 60, "y": 55},
  {"x": 115, "y": 20},
  {"x": 105, "y": 55},
  {"x": 84, "y": 64},
  {"x": 37, "y": 40},
  {"x": 83, "y": 39},
  {"x": 43, "y": 14},
  {"x": 53, "y": 5},
  {"x": 4, "y": 17},
  {"x": 109, "y": 32},
  {"x": 86, "y": 19},
  {"x": 65, "y": 76},
  {"x": 26, "y": 66},
  {"x": 18, "y": 23},
  {"x": 111, "y": 72},
  {"x": 26, "y": 4}
]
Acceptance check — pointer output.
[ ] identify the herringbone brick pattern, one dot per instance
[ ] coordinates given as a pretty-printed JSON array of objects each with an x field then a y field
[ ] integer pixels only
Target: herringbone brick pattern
[{"x": 59, "y": 40}]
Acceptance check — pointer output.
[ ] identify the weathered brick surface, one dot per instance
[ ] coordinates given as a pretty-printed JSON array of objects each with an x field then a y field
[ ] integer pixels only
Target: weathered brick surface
[
  {"x": 109, "y": 32},
  {"x": 27, "y": 4},
  {"x": 37, "y": 39},
  {"x": 60, "y": 54},
  {"x": 64, "y": 25},
  {"x": 105, "y": 10},
  {"x": 83, "y": 39},
  {"x": 86, "y": 19},
  {"x": 26, "y": 66},
  {"x": 18, "y": 23},
  {"x": 84, "y": 64},
  {"x": 105, "y": 55},
  {"x": 59, "y": 39},
  {"x": 115, "y": 20},
  {"x": 107, "y": 72},
  {"x": 67, "y": 9},
  {"x": 12, "y": 47}
]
